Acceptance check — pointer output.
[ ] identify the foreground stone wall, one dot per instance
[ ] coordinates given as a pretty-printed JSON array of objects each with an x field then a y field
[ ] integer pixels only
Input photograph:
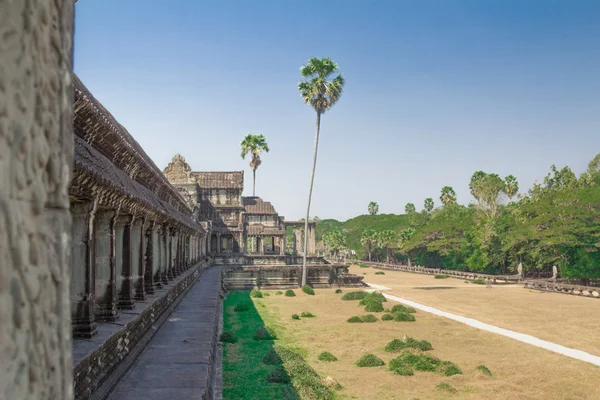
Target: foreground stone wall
[
  {"x": 577, "y": 290},
  {"x": 36, "y": 152}
]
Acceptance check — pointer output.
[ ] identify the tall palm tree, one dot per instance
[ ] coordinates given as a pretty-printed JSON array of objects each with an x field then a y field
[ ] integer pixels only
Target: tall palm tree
[
  {"x": 373, "y": 208},
  {"x": 254, "y": 144},
  {"x": 369, "y": 238},
  {"x": 321, "y": 91},
  {"x": 448, "y": 195},
  {"x": 410, "y": 208},
  {"x": 428, "y": 204}
]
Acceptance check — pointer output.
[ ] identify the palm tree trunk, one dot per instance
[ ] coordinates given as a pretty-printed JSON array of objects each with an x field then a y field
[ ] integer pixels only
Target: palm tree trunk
[
  {"x": 312, "y": 180},
  {"x": 253, "y": 182}
]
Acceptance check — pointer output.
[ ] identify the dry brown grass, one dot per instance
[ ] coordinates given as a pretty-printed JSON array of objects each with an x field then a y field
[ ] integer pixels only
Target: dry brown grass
[
  {"x": 520, "y": 371},
  {"x": 567, "y": 320}
]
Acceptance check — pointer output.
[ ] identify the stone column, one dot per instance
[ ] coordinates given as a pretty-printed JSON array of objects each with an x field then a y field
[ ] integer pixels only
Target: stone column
[
  {"x": 282, "y": 245},
  {"x": 82, "y": 270},
  {"x": 218, "y": 243},
  {"x": 164, "y": 254},
  {"x": 261, "y": 242},
  {"x": 138, "y": 257},
  {"x": 125, "y": 248},
  {"x": 172, "y": 271},
  {"x": 105, "y": 247},
  {"x": 149, "y": 258}
]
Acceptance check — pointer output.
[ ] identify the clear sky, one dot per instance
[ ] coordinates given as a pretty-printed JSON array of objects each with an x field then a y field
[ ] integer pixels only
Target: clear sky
[{"x": 435, "y": 90}]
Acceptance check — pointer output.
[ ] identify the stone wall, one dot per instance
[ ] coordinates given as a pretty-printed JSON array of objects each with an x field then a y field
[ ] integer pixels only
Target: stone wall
[
  {"x": 557, "y": 287},
  {"x": 36, "y": 153}
]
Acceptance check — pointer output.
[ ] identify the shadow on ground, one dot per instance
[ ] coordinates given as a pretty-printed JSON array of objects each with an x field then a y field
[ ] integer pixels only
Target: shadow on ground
[{"x": 244, "y": 373}]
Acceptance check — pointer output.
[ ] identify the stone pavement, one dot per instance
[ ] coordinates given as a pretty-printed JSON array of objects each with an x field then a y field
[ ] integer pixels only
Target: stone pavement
[{"x": 178, "y": 362}]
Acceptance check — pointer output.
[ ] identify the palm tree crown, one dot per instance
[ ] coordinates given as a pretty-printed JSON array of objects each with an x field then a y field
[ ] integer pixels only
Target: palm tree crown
[
  {"x": 254, "y": 144},
  {"x": 319, "y": 90}
]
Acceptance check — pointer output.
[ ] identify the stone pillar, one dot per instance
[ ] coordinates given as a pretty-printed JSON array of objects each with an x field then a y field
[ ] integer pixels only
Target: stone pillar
[
  {"x": 82, "y": 270},
  {"x": 218, "y": 243},
  {"x": 36, "y": 159},
  {"x": 125, "y": 248},
  {"x": 261, "y": 242},
  {"x": 282, "y": 245},
  {"x": 311, "y": 241},
  {"x": 172, "y": 243},
  {"x": 164, "y": 254},
  {"x": 150, "y": 234},
  {"x": 106, "y": 269},
  {"x": 138, "y": 257}
]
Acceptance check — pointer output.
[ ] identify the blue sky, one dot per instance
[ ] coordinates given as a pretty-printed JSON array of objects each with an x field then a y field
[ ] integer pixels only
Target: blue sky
[{"x": 435, "y": 90}]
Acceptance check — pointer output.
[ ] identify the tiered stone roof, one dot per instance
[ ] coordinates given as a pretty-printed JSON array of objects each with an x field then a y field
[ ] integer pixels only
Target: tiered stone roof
[
  {"x": 219, "y": 180},
  {"x": 256, "y": 206}
]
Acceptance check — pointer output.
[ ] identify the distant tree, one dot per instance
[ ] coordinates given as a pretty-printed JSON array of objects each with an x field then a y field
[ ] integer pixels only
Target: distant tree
[
  {"x": 405, "y": 236},
  {"x": 254, "y": 144},
  {"x": 428, "y": 204},
  {"x": 448, "y": 196},
  {"x": 512, "y": 186},
  {"x": 369, "y": 238},
  {"x": 410, "y": 208},
  {"x": 321, "y": 91},
  {"x": 373, "y": 208},
  {"x": 388, "y": 240},
  {"x": 335, "y": 241},
  {"x": 487, "y": 188}
]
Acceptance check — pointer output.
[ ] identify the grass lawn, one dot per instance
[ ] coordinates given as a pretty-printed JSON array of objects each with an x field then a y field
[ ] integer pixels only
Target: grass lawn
[{"x": 519, "y": 371}]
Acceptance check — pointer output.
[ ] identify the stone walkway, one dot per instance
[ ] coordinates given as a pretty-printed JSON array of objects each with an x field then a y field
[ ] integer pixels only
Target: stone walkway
[
  {"x": 177, "y": 363},
  {"x": 532, "y": 340}
]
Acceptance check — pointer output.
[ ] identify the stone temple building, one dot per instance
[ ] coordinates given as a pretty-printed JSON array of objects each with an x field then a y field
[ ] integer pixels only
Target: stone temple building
[{"x": 236, "y": 225}]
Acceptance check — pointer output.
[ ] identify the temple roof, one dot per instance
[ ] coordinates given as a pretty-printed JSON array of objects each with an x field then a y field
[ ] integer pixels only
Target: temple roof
[
  {"x": 256, "y": 205},
  {"x": 259, "y": 229},
  {"x": 219, "y": 180}
]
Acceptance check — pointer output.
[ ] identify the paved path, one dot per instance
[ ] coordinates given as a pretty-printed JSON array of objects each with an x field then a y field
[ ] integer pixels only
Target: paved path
[
  {"x": 556, "y": 348},
  {"x": 176, "y": 363}
]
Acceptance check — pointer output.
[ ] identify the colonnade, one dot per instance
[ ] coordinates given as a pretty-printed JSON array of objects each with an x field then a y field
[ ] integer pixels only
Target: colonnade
[{"x": 119, "y": 258}]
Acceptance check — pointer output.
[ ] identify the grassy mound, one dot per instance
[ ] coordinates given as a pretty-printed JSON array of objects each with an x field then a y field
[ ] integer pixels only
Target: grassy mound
[
  {"x": 228, "y": 337},
  {"x": 422, "y": 362},
  {"x": 278, "y": 293},
  {"x": 368, "y": 318},
  {"x": 308, "y": 290},
  {"x": 266, "y": 294},
  {"x": 397, "y": 345},
  {"x": 278, "y": 375},
  {"x": 369, "y": 360},
  {"x": 403, "y": 309},
  {"x": 374, "y": 306},
  {"x": 485, "y": 370},
  {"x": 272, "y": 358},
  {"x": 241, "y": 307},
  {"x": 374, "y": 296},
  {"x": 354, "y": 296},
  {"x": 327, "y": 356},
  {"x": 263, "y": 333},
  {"x": 387, "y": 317},
  {"x": 295, "y": 316},
  {"x": 257, "y": 294},
  {"x": 479, "y": 281},
  {"x": 354, "y": 319},
  {"x": 306, "y": 314},
  {"x": 379, "y": 273},
  {"x": 363, "y": 265},
  {"x": 404, "y": 317},
  {"x": 338, "y": 291},
  {"x": 442, "y": 276},
  {"x": 404, "y": 370},
  {"x": 445, "y": 387},
  {"x": 290, "y": 293}
]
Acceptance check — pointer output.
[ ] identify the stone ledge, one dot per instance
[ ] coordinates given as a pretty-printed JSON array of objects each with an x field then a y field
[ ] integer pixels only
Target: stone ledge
[{"x": 96, "y": 359}]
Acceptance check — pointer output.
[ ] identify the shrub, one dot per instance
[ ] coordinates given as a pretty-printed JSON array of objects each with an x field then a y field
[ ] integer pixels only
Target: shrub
[
  {"x": 308, "y": 290},
  {"x": 295, "y": 316},
  {"x": 387, "y": 317},
  {"x": 369, "y": 360},
  {"x": 363, "y": 265},
  {"x": 338, "y": 291},
  {"x": 278, "y": 293},
  {"x": 479, "y": 281},
  {"x": 272, "y": 358},
  {"x": 442, "y": 276},
  {"x": 256, "y": 294},
  {"x": 327, "y": 356},
  {"x": 263, "y": 333},
  {"x": 484, "y": 369},
  {"x": 374, "y": 296},
  {"x": 228, "y": 337},
  {"x": 406, "y": 359},
  {"x": 404, "y": 370},
  {"x": 403, "y": 317},
  {"x": 354, "y": 296},
  {"x": 466, "y": 281},
  {"x": 374, "y": 306},
  {"x": 426, "y": 363},
  {"x": 369, "y": 318},
  {"x": 306, "y": 314},
  {"x": 266, "y": 294},
  {"x": 446, "y": 387},
  {"x": 396, "y": 345},
  {"x": 379, "y": 273},
  {"x": 278, "y": 375},
  {"x": 242, "y": 307},
  {"x": 403, "y": 309},
  {"x": 290, "y": 293},
  {"x": 449, "y": 368},
  {"x": 354, "y": 319}
]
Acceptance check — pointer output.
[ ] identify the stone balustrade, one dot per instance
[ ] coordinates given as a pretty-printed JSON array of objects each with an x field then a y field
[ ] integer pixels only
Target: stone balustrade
[
  {"x": 577, "y": 290},
  {"x": 467, "y": 275}
]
